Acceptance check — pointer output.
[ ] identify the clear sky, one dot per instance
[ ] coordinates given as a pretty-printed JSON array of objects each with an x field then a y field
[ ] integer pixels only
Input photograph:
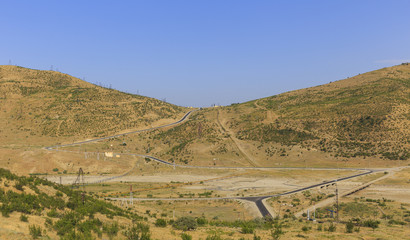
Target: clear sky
[{"x": 198, "y": 53}]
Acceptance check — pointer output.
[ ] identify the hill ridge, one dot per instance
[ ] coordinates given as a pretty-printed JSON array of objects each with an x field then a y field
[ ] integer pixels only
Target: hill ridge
[{"x": 49, "y": 103}]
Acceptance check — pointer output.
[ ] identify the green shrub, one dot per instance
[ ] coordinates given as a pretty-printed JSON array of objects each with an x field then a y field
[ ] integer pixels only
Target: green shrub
[
  {"x": 247, "y": 229},
  {"x": 214, "y": 237},
  {"x": 53, "y": 213},
  {"x": 255, "y": 237},
  {"x": 185, "y": 236},
  {"x": 349, "y": 227},
  {"x": 23, "y": 218},
  {"x": 332, "y": 228},
  {"x": 5, "y": 210},
  {"x": 139, "y": 232},
  {"x": 392, "y": 221},
  {"x": 161, "y": 222},
  {"x": 19, "y": 186},
  {"x": 49, "y": 222},
  {"x": 201, "y": 221},
  {"x": 67, "y": 223},
  {"x": 111, "y": 229},
  {"x": 185, "y": 223},
  {"x": 277, "y": 231},
  {"x": 371, "y": 223},
  {"x": 35, "y": 231}
]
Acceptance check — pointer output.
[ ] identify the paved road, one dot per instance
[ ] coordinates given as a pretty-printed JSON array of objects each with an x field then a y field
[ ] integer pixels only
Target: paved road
[
  {"x": 264, "y": 211},
  {"x": 185, "y": 117},
  {"x": 56, "y": 147},
  {"x": 350, "y": 191},
  {"x": 258, "y": 199}
]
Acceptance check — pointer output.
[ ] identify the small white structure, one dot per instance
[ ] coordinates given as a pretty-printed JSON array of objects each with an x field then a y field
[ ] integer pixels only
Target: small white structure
[{"x": 109, "y": 154}]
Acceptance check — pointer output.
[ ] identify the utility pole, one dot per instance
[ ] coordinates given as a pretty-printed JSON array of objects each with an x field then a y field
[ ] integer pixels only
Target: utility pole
[
  {"x": 80, "y": 181},
  {"x": 131, "y": 199}
]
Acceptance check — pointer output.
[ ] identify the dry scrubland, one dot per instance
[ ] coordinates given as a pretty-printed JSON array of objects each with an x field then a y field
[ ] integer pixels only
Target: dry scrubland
[
  {"x": 359, "y": 122},
  {"x": 43, "y": 108},
  {"x": 354, "y": 122},
  {"x": 58, "y": 210},
  {"x": 52, "y": 104}
]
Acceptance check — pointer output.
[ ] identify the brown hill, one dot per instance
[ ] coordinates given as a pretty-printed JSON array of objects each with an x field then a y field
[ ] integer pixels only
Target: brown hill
[
  {"x": 41, "y": 104},
  {"x": 357, "y": 120},
  {"x": 366, "y": 115}
]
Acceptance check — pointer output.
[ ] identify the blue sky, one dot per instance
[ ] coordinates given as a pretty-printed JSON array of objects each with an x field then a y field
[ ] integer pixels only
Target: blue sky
[{"x": 198, "y": 53}]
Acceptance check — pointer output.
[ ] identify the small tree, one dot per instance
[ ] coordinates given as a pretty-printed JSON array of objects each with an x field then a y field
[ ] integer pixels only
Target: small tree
[{"x": 185, "y": 223}]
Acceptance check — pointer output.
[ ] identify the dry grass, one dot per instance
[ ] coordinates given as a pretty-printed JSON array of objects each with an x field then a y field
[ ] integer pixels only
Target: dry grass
[
  {"x": 38, "y": 104},
  {"x": 357, "y": 122}
]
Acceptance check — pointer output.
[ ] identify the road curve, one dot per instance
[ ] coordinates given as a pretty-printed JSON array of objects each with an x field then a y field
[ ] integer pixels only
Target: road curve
[
  {"x": 258, "y": 200},
  {"x": 185, "y": 117},
  {"x": 264, "y": 211}
]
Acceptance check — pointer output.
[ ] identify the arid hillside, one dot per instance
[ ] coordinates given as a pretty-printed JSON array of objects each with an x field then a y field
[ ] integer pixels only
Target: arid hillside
[
  {"x": 35, "y": 104},
  {"x": 33, "y": 208},
  {"x": 360, "y": 120},
  {"x": 365, "y": 115}
]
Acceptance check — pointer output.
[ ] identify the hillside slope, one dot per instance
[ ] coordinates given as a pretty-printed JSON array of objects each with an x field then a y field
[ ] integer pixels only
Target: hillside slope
[
  {"x": 52, "y": 104},
  {"x": 363, "y": 117},
  {"x": 33, "y": 208}
]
